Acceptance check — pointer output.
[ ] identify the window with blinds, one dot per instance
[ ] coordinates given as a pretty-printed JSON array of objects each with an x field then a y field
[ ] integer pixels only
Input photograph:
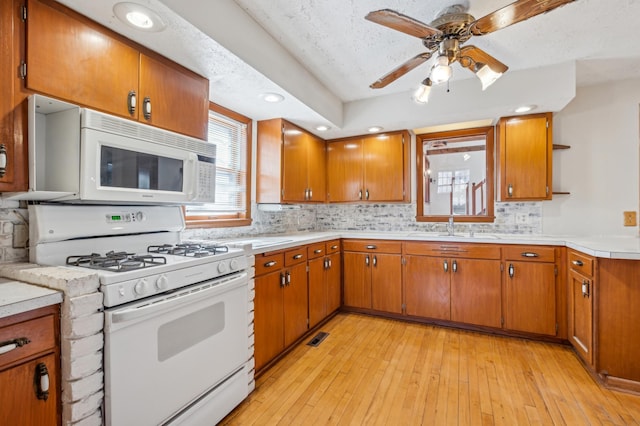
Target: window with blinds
[{"x": 231, "y": 134}]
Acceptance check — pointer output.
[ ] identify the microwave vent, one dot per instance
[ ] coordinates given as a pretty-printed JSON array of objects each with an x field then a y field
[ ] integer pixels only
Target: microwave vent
[{"x": 127, "y": 128}]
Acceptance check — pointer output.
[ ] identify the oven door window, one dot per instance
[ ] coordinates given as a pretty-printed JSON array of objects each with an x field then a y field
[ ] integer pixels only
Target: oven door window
[{"x": 122, "y": 168}]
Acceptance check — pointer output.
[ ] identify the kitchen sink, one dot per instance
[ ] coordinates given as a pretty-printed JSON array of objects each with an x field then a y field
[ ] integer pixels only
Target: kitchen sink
[{"x": 458, "y": 235}]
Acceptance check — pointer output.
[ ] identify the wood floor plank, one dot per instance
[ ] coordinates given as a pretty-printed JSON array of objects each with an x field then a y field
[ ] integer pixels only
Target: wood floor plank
[{"x": 377, "y": 371}]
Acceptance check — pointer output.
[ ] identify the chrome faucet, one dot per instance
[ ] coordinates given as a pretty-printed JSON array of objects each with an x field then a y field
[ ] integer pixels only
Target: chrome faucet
[{"x": 450, "y": 226}]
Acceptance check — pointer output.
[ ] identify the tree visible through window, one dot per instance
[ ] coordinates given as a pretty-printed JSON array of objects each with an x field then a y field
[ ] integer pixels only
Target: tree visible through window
[{"x": 231, "y": 133}]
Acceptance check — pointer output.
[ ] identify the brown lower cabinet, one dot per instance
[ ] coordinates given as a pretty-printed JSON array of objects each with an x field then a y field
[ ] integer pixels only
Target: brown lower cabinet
[
  {"x": 581, "y": 294},
  {"x": 26, "y": 370},
  {"x": 324, "y": 280},
  {"x": 372, "y": 276},
  {"x": 280, "y": 305}
]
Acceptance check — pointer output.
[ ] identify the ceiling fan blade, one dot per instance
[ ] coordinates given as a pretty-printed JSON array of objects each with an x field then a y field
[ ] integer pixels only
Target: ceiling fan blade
[
  {"x": 480, "y": 56},
  {"x": 401, "y": 70},
  {"x": 518, "y": 11},
  {"x": 397, "y": 21}
]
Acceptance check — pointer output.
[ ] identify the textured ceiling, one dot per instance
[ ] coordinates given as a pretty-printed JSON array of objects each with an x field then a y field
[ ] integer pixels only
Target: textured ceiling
[{"x": 322, "y": 55}]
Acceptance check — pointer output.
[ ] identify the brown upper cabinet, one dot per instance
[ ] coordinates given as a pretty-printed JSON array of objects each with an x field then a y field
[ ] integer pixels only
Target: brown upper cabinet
[
  {"x": 369, "y": 168},
  {"x": 525, "y": 157},
  {"x": 290, "y": 163},
  {"x": 74, "y": 59}
]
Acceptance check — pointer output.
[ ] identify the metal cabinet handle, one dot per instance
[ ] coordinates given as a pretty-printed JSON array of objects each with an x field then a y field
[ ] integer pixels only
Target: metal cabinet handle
[
  {"x": 325, "y": 263},
  {"x": 288, "y": 277},
  {"x": 310, "y": 194},
  {"x": 585, "y": 289},
  {"x": 146, "y": 108},
  {"x": 446, "y": 266},
  {"x": 132, "y": 101},
  {"x": 577, "y": 262},
  {"x": 454, "y": 266},
  {"x": 529, "y": 254},
  {"x": 270, "y": 264},
  {"x": 42, "y": 381},
  {"x": 317, "y": 251},
  {"x": 3, "y": 159},
  {"x": 334, "y": 247},
  {"x": 329, "y": 263},
  {"x": 510, "y": 190},
  {"x": 283, "y": 280},
  {"x": 366, "y": 260},
  {"x": 10, "y": 345},
  {"x": 297, "y": 256},
  {"x": 375, "y": 260},
  {"x": 371, "y": 247},
  {"x": 360, "y": 194},
  {"x": 512, "y": 270},
  {"x": 366, "y": 194}
]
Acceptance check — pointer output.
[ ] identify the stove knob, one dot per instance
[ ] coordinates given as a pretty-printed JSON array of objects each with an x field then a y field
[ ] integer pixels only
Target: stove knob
[
  {"x": 140, "y": 216},
  {"x": 141, "y": 287},
  {"x": 234, "y": 265},
  {"x": 162, "y": 283},
  {"x": 222, "y": 267}
]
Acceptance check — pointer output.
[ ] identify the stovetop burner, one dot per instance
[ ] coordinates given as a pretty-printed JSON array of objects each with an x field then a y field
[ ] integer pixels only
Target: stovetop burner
[
  {"x": 189, "y": 249},
  {"x": 116, "y": 261}
]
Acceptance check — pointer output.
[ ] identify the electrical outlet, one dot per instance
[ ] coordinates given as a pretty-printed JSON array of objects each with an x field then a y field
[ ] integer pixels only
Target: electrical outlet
[
  {"x": 630, "y": 219},
  {"x": 521, "y": 218}
]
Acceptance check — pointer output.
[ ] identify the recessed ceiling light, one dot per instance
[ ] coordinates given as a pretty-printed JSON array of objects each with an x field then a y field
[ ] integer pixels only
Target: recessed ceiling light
[
  {"x": 322, "y": 128},
  {"x": 138, "y": 16},
  {"x": 374, "y": 129},
  {"x": 272, "y": 97},
  {"x": 525, "y": 108}
]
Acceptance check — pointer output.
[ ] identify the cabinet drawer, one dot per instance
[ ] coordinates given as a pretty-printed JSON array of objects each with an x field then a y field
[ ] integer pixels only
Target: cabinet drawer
[
  {"x": 529, "y": 253},
  {"x": 316, "y": 250},
  {"x": 295, "y": 256},
  {"x": 375, "y": 246},
  {"x": 475, "y": 251},
  {"x": 269, "y": 263},
  {"x": 40, "y": 332},
  {"x": 333, "y": 246},
  {"x": 581, "y": 263}
]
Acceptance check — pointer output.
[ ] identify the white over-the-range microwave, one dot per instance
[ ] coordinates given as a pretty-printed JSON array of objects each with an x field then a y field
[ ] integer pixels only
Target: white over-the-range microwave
[{"x": 80, "y": 155}]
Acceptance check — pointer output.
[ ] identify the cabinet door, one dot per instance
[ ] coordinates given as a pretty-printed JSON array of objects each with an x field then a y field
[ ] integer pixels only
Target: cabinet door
[
  {"x": 76, "y": 61},
  {"x": 333, "y": 278},
  {"x": 294, "y": 163},
  {"x": 476, "y": 292},
  {"x": 19, "y": 403},
  {"x": 525, "y": 158},
  {"x": 581, "y": 315},
  {"x": 384, "y": 168},
  {"x": 179, "y": 98},
  {"x": 357, "y": 280},
  {"x": 296, "y": 312},
  {"x": 344, "y": 171},
  {"x": 317, "y": 291},
  {"x": 530, "y": 297},
  {"x": 316, "y": 169},
  {"x": 386, "y": 283},
  {"x": 268, "y": 320},
  {"x": 427, "y": 287}
]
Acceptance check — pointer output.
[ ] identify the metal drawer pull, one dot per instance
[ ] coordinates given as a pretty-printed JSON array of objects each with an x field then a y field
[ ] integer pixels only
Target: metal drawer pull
[
  {"x": 454, "y": 266},
  {"x": 512, "y": 270},
  {"x": 530, "y": 254},
  {"x": 297, "y": 256},
  {"x": 371, "y": 247},
  {"x": 42, "y": 381},
  {"x": 577, "y": 262},
  {"x": 446, "y": 266},
  {"x": 270, "y": 264},
  {"x": 10, "y": 345},
  {"x": 317, "y": 251},
  {"x": 334, "y": 247}
]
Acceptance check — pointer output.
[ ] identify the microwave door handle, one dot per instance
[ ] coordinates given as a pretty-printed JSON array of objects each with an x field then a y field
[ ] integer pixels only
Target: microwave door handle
[{"x": 192, "y": 190}]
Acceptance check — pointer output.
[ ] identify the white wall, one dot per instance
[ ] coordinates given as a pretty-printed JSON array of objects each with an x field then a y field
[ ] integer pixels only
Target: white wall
[{"x": 601, "y": 170}]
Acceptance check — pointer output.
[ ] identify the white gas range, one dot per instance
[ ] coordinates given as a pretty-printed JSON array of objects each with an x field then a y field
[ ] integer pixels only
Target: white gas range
[{"x": 178, "y": 326}]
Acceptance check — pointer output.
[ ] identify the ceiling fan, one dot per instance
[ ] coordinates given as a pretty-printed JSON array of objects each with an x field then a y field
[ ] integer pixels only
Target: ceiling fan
[{"x": 446, "y": 35}]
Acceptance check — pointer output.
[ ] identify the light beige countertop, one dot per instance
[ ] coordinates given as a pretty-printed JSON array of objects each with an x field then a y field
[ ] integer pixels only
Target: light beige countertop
[
  {"x": 17, "y": 297},
  {"x": 614, "y": 247}
]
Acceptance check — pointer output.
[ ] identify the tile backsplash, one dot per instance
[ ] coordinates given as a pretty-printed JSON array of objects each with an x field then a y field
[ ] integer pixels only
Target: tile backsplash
[{"x": 14, "y": 232}]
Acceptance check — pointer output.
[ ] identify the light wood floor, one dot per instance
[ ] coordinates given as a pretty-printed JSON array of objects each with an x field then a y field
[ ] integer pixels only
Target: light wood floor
[{"x": 378, "y": 371}]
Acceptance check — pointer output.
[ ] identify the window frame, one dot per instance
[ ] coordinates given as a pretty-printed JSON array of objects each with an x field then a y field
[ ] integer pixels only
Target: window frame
[{"x": 227, "y": 220}]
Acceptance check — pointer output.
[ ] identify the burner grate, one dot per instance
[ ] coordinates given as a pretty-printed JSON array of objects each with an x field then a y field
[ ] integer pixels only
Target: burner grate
[
  {"x": 116, "y": 261},
  {"x": 189, "y": 249}
]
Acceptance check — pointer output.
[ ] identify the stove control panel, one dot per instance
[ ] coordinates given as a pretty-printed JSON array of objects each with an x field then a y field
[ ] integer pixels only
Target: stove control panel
[{"x": 121, "y": 217}]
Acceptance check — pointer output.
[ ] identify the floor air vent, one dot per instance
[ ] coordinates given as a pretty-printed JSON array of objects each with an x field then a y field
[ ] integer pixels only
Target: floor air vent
[{"x": 318, "y": 339}]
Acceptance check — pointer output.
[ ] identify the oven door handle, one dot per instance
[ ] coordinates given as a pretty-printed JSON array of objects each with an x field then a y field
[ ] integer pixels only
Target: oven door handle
[{"x": 180, "y": 296}]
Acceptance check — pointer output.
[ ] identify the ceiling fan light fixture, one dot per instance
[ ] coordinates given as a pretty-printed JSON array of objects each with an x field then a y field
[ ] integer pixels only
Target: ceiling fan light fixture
[
  {"x": 422, "y": 93},
  {"x": 486, "y": 75},
  {"x": 441, "y": 71}
]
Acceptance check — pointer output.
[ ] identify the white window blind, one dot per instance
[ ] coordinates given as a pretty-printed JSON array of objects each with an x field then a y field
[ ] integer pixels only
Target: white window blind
[{"x": 230, "y": 137}]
